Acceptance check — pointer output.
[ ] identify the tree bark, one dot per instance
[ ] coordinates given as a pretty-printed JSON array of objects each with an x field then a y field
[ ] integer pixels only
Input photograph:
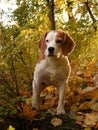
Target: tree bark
[{"x": 51, "y": 13}]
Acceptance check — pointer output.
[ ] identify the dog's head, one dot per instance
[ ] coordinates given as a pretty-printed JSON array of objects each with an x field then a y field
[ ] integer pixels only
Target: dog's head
[{"x": 56, "y": 43}]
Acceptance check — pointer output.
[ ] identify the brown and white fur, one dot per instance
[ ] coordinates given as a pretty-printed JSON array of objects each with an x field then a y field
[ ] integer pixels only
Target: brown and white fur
[{"x": 53, "y": 67}]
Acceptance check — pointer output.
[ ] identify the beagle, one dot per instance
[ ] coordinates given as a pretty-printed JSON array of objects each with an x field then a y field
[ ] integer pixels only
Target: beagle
[{"x": 53, "y": 67}]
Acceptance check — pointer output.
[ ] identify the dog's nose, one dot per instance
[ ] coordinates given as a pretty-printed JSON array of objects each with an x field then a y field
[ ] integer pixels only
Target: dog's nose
[{"x": 51, "y": 49}]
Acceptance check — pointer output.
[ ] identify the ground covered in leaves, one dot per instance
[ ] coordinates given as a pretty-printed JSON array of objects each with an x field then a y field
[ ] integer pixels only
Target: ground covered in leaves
[
  {"x": 46, "y": 122},
  {"x": 56, "y": 123},
  {"x": 81, "y": 106}
]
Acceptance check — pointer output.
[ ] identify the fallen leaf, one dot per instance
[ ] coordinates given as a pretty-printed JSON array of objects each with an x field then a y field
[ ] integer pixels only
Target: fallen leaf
[
  {"x": 90, "y": 119},
  {"x": 80, "y": 73},
  {"x": 48, "y": 103},
  {"x": 87, "y": 128},
  {"x": 95, "y": 80},
  {"x": 52, "y": 111},
  {"x": 56, "y": 122},
  {"x": 92, "y": 105},
  {"x": 91, "y": 92},
  {"x": 74, "y": 108},
  {"x": 28, "y": 112},
  {"x": 11, "y": 128},
  {"x": 73, "y": 115},
  {"x": 85, "y": 106},
  {"x": 96, "y": 126},
  {"x": 79, "y": 118},
  {"x": 35, "y": 128}
]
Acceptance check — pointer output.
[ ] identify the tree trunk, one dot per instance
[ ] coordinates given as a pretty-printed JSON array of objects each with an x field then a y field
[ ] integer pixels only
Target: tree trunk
[{"x": 51, "y": 13}]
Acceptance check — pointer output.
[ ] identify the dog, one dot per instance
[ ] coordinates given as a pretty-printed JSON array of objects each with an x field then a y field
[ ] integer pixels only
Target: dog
[{"x": 53, "y": 67}]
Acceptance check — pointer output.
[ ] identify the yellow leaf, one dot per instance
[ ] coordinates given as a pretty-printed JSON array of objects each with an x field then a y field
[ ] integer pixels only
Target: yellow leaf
[
  {"x": 50, "y": 88},
  {"x": 90, "y": 119},
  {"x": 11, "y": 128},
  {"x": 88, "y": 128},
  {"x": 56, "y": 122},
  {"x": 58, "y": 3}
]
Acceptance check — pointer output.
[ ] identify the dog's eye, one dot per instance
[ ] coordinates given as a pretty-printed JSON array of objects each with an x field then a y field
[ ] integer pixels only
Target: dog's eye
[
  {"x": 47, "y": 40},
  {"x": 59, "y": 41}
]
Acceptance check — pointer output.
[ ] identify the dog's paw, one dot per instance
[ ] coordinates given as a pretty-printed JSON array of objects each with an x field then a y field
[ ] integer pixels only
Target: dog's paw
[
  {"x": 35, "y": 106},
  {"x": 60, "y": 110}
]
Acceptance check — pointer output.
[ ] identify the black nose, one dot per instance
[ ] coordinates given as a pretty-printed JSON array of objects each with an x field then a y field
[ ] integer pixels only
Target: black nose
[{"x": 51, "y": 49}]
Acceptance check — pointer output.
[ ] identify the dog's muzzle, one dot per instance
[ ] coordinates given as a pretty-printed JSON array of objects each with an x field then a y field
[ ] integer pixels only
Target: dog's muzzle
[{"x": 51, "y": 51}]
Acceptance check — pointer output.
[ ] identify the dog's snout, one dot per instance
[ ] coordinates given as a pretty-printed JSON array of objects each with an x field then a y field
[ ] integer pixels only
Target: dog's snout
[{"x": 51, "y": 49}]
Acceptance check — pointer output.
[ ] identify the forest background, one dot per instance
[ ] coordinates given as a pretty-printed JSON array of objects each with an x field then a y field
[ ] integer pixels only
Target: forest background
[{"x": 19, "y": 53}]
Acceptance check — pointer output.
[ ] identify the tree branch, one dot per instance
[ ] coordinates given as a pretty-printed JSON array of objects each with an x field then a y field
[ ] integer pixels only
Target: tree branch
[{"x": 91, "y": 14}]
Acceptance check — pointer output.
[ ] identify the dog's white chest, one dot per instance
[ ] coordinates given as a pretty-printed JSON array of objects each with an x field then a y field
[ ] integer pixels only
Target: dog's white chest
[
  {"x": 53, "y": 70},
  {"x": 56, "y": 70}
]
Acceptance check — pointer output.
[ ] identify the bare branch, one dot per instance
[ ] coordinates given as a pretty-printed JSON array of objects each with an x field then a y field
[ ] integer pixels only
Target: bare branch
[{"x": 91, "y": 14}]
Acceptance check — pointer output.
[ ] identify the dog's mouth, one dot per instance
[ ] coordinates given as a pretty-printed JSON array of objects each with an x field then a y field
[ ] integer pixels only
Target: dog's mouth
[{"x": 51, "y": 55}]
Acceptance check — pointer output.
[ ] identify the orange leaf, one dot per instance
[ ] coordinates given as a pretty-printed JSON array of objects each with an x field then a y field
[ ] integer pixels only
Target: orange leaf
[{"x": 29, "y": 113}]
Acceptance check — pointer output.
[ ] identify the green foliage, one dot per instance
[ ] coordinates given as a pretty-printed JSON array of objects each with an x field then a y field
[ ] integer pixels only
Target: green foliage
[
  {"x": 31, "y": 12},
  {"x": 17, "y": 61}
]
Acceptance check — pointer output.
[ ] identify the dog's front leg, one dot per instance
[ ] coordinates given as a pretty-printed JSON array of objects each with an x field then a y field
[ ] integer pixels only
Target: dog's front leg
[
  {"x": 60, "y": 108},
  {"x": 37, "y": 88},
  {"x": 36, "y": 94}
]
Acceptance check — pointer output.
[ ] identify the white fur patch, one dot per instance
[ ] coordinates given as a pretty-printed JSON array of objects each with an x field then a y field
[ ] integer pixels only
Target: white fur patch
[{"x": 51, "y": 42}]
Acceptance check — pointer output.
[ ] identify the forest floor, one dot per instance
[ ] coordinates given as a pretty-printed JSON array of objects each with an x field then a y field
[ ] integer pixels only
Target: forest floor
[{"x": 81, "y": 106}]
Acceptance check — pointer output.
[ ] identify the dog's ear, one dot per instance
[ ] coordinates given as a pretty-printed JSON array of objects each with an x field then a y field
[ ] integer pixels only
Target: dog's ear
[
  {"x": 42, "y": 43},
  {"x": 42, "y": 47},
  {"x": 68, "y": 45}
]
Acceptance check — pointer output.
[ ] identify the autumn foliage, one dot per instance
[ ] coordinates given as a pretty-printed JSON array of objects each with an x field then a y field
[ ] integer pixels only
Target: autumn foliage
[{"x": 18, "y": 56}]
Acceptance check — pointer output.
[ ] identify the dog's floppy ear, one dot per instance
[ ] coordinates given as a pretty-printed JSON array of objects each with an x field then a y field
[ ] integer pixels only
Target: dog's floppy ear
[
  {"x": 42, "y": 47},
  {"x": 68, "y": 45},
  {"x": 41, "y": 42}
]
